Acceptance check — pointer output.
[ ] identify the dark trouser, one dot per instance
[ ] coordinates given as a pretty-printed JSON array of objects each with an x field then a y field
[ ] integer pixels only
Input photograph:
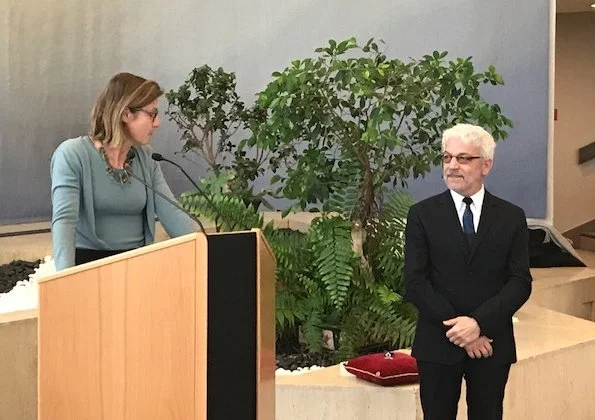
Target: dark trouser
[
  {"x": 440, "y": 388},
  {"x": 82, "y": 255}
]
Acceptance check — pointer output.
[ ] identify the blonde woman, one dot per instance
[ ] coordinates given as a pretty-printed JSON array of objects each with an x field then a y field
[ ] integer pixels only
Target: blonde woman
[{"x": 97, "y": 210}]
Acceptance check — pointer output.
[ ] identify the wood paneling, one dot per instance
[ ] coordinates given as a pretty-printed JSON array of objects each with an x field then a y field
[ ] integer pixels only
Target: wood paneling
[{"x": 117, "y": 341}]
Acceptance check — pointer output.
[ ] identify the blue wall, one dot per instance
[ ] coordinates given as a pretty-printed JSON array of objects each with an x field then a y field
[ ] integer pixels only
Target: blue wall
[{"x": 49, "y": 76}]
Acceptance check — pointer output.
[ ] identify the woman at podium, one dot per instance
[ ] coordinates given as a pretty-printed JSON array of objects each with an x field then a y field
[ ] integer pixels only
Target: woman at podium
[{"x": 101, "y": 183}]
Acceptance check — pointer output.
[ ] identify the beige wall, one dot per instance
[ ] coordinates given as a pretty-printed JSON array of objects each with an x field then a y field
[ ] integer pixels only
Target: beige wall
[{"x": 574, "y": 185}]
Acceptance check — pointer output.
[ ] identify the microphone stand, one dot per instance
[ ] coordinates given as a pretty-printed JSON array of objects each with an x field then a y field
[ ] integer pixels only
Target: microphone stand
[
  {"x": 129, "y": 172},
  {"x": 159, "y": 157}
]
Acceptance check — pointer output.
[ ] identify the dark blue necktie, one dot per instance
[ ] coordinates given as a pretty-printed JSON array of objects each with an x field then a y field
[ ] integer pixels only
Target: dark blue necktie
[{"x": 468, "y": 216}]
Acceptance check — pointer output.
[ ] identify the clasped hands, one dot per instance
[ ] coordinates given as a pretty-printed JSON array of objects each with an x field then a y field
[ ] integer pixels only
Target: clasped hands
[{"x": 464, "y": 332}]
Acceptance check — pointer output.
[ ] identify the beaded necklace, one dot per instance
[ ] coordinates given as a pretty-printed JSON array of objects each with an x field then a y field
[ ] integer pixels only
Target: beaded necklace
[{"x": 118, "y": 175}]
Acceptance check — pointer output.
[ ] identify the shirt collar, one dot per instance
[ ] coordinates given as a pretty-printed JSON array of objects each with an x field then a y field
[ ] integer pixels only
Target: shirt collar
[{"x": 477, "y": 198}]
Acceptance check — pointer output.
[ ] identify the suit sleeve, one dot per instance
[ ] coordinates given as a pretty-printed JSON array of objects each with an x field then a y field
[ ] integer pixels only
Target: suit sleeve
[
  {"x": 517, "y": 289},
  {"x": 418, "y": 288}
]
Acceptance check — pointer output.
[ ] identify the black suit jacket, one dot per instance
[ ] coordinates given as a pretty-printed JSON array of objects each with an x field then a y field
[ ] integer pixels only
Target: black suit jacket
[{"x": 445, "y": 277}]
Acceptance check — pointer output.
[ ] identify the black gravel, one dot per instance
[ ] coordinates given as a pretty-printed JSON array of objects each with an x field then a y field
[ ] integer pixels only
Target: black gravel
[
  {"x": 297, "y": 360},
  {"x": 14, "y": 272}
]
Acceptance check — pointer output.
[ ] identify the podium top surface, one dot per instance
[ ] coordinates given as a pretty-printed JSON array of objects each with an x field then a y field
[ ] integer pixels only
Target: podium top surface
[{"x": 197, "y": 236}]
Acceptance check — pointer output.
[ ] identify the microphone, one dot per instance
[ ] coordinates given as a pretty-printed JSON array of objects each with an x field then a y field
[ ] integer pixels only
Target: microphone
[
  {"x": 129, "y": 172},
  {"x": 158, "y": 157}
]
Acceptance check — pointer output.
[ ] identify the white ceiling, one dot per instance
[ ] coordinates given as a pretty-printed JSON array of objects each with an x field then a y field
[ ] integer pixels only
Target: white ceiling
[{"x": 571, "y": 6}]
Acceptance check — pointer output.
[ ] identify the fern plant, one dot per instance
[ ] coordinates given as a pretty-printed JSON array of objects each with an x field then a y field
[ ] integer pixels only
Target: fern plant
[
  {"x": 321, "y": 281},
  {"x": 228, "y": 210},
  {"x": 365, "y": 292}
]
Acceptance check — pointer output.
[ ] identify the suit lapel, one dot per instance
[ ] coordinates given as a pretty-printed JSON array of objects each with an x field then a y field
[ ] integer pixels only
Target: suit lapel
[
  {"x": 452, "y": 222},
  {"x": 488, "y": 217}
]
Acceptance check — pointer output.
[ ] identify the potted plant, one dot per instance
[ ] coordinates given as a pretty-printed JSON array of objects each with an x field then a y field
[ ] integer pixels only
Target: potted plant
[
  {"x": 211, "y": 118},
  {"x": 341, "y": 131}
]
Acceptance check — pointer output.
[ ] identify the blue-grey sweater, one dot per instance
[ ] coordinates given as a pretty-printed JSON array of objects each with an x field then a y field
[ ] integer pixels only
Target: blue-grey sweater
[{"x": 74, "y": 192}]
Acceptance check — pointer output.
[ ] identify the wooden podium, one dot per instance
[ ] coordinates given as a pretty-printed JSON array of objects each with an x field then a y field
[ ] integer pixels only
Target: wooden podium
[{"x": 182, "y": 329}]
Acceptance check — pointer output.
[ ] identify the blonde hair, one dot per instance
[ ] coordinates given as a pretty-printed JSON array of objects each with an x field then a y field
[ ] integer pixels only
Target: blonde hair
[
  {"x": 123, "y": 92},
  {"x": 472, "y": 135}
]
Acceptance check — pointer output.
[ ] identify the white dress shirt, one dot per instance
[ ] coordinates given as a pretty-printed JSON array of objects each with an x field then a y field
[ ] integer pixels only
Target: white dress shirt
[{"x": 475, "y": 206}]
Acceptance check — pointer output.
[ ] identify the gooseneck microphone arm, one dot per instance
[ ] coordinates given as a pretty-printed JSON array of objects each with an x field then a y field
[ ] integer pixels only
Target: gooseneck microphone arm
[
  {"x": 129, "y": 172},
  {"x": 159, "y": 157}
]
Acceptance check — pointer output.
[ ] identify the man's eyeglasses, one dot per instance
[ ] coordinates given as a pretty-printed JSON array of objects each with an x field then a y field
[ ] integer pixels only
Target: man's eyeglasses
[
  {"x": 152, "y": 114},
  {"x": 462, "y": 159}
]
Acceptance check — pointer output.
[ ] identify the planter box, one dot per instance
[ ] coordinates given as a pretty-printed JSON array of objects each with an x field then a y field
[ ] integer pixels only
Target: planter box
[
  {"x": 18, "y": 365},
  {"x": 552, "y": 380}
]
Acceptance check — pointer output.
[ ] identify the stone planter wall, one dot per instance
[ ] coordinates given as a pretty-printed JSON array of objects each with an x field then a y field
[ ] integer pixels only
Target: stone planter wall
[{"x": 18, "y": 366}]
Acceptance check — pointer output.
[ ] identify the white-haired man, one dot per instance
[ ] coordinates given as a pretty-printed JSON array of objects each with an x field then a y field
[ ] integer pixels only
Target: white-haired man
[{"x": 467, "y": 272}]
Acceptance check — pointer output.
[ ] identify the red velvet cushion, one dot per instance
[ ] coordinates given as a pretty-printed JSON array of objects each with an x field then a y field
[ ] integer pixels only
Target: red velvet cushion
[{"x": 387, "y": 369}]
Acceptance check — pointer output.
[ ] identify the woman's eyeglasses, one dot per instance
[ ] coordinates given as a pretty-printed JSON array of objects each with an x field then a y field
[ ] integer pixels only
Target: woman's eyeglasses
[{"x": 152, "y": 114}]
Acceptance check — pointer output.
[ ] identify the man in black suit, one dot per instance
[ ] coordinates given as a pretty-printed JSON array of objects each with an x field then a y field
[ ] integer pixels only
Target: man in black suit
[{"x": 467, "y": 272}]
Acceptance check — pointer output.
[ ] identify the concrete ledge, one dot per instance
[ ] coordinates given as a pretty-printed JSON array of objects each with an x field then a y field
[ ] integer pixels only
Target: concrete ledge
[
  {"x": 552, "y": 380},
  {"x": 24, "y": 227},
  {"x": 569, "y": 290},
  {"x": 332, "y": 393},
  {"x": 18, "y": 366},
  {"x": 25, "y": 247},
  {"x": 37, "y": 246}
]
